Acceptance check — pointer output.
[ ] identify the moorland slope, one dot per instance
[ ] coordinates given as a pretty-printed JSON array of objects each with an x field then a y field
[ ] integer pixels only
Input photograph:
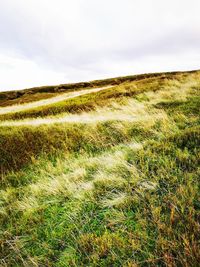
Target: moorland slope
[{"x": 103, "y": 173}]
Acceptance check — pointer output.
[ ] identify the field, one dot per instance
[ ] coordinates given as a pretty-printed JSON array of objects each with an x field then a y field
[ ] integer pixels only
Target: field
[{"x": 103, "y": 173}]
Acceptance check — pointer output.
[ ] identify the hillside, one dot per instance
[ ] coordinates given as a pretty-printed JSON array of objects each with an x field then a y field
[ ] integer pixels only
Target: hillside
[{"x": 102, "y": 173}]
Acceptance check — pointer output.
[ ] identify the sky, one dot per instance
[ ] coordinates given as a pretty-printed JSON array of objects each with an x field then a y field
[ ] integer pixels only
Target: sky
[{"x": 46, "y": 42}]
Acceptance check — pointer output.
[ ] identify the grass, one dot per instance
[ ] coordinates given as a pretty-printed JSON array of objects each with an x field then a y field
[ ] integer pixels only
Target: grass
[
  {"x": 106, "y": 193},
  {"x": 43, "y": 92},
  {"x": 102, "y": 98}
]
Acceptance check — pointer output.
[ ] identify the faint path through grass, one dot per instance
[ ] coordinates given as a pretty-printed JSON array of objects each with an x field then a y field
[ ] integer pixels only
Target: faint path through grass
[{"x": 65, "y": 96}]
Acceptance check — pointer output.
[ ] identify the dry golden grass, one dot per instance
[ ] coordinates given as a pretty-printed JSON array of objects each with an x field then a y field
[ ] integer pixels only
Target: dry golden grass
[
  {"x": 49, "y": 101},
  {"x": 114, "y": 186}
]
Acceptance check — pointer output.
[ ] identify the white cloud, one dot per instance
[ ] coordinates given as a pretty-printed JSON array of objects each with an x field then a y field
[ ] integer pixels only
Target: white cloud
[
  {"x": 18, "y": 73},
  {"x": 63, "y": 40}
]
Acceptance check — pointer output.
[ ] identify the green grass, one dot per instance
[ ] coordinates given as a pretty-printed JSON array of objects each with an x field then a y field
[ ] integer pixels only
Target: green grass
[
  {"x": 91, "y": 101},
  {"x": 43, "y": 92},
  {"x": 110, "y": 193}
]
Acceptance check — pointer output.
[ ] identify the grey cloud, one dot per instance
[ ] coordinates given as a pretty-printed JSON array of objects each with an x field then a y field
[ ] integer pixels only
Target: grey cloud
[{"x": 93, "y": 36}]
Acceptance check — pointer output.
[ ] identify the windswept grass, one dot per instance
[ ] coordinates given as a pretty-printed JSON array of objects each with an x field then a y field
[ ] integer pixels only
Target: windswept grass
[
  {"x": 20, "y": 145},
  {"x": 102, "y": 98},
  {"x": 43, "y": 92},
  {"x": 106, "y": 193}
]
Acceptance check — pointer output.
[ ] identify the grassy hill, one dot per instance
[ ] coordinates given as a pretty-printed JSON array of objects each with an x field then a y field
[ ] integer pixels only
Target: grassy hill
[{"x": 103, "y": 173}]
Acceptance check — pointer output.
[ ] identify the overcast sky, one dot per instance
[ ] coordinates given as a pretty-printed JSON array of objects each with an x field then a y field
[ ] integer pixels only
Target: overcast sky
[{"x": 44, "y": 42}]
